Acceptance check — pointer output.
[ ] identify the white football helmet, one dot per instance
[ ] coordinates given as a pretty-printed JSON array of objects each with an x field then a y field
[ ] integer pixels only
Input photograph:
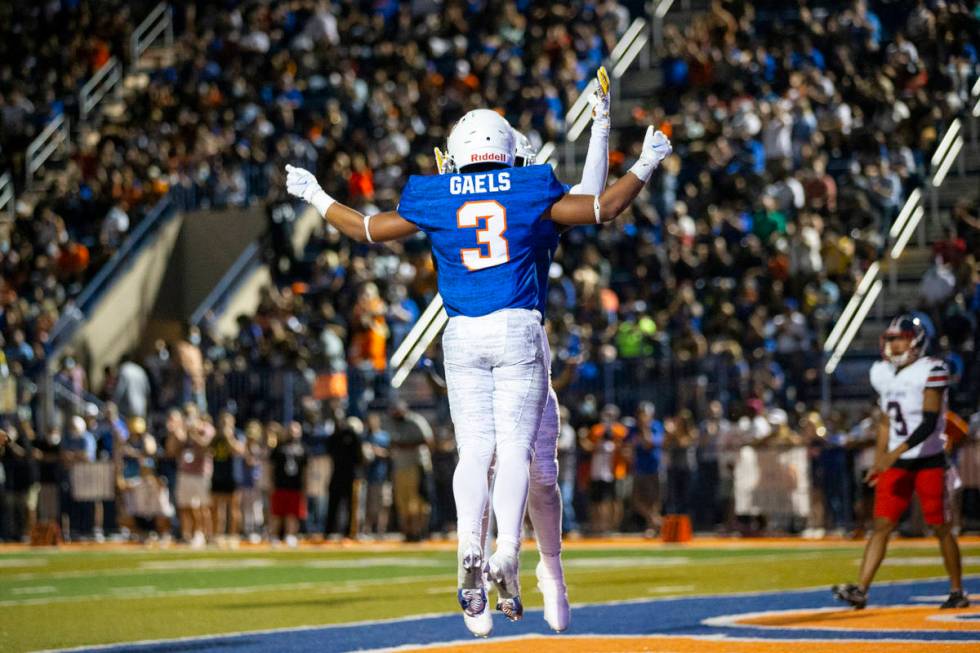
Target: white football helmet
[
  {"x": 524, "y": 154},
  {"x": 481, "y": 136}
]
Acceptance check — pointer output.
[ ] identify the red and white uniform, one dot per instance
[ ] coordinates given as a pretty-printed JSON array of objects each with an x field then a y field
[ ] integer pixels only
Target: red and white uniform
[
  {"x": 900, "y": 394},
  {"x": 922, "y": 468}
]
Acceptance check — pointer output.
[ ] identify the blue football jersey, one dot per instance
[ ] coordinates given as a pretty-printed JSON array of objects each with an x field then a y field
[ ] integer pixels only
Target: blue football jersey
[{"x": 488, "y": 237}]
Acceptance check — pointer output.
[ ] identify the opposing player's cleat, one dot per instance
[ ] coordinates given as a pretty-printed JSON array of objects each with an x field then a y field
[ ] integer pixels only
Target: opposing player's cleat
[
  {"x": 502, "y": 569},
  {"x": 851, "y": 594},
  {"x": 957, "y": 599},
  {"x": 551, "y": 582},
  {"x": 472, "y": 596}
]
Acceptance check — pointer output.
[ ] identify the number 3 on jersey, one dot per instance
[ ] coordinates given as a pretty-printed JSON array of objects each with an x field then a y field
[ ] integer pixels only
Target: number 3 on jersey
[{"x": 494, "y": 224}]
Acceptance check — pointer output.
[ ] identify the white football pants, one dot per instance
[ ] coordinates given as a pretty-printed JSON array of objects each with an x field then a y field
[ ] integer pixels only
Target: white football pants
[{"x": 497, "y": 381}]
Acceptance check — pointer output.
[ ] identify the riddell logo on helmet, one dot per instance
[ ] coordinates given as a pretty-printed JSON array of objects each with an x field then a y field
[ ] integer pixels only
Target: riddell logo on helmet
[{"x": 489, "y": 156}]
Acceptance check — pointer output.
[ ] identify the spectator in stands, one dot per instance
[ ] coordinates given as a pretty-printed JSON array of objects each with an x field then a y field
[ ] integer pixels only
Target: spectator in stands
[
  {"x": 377, "y": 455},
  {"x": 411, "y": 442},
  {"x": 567, "y": 470},
  {"x": 647, "y": 437},
  {"x": 609, "y": 448},
  {"x": 317, "y": 435},
  {"x": 254, "y": 487},
  {"x": 191, "y": 364},
  {"x": 133, "y": 446},
  {"x": 20, "y": 485},
  {"x": 679, "y": 443},
  {"x": 346, "y": 450},
  {"x": 288, "y": 502},
  {"x": 48, "y": 453},
  {"x": 189, "y": 443},
  {"x": 712, "y": 436},
  {"x": 77, "y": 449},
  {"x": 227, "y": 451},
  {"x": 444, "y": 459},
  {"x": 132, "y": 393}
]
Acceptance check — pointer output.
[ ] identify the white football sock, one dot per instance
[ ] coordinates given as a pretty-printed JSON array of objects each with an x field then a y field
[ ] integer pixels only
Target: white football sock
[
  {"x": 510, "y": 489},
  {"x": 544, "y": 509}
]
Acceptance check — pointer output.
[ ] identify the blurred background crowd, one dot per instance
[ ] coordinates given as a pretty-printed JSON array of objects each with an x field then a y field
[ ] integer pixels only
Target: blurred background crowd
[{"x": 798, "y": 129}]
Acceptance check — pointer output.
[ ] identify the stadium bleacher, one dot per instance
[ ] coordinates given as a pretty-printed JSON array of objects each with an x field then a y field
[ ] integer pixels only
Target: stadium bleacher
[{"x": 798, "y": 137}]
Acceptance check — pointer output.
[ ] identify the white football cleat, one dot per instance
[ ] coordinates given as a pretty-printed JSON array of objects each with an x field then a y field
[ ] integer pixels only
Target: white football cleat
[
  {"x": 503, "y": 571},
  {"x": 551, "y": 583},
  {"x": 472, "y": 596}
]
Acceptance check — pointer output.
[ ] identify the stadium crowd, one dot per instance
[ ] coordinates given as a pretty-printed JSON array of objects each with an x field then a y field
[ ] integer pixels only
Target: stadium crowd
[
  {"x": 247, "y": 89},
  {"x": 723, "y": 289}
]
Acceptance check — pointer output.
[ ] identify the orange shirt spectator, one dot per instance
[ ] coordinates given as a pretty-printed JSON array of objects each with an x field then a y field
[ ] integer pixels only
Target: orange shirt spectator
[
  {"x": 369, "y": 342},
  {"x": 614, "y": 432},
  {"x": 361, "y": 183}
]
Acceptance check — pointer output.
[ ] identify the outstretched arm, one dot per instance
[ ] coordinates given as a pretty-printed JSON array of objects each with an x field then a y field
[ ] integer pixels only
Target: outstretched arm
[
  {"x": 376, "y": 228},
  {"x": 596, "y": 167},
  {"x": 605, "y": 207}
]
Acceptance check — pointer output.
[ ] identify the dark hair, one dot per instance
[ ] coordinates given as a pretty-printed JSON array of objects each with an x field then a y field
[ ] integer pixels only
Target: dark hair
[{"x": 484, "y": 166}]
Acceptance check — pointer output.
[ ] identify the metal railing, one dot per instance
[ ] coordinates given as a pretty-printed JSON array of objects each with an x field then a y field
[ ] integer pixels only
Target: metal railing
[
  {"x": 106, "y": 80},
  {"x": 159, "y": 23},
  {"x": 53, "y": 137},
  {"x": 7, "y": 195}
]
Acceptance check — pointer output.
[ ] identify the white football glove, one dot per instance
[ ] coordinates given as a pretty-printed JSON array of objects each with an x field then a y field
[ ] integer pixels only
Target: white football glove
[
  {"x": 656, "y": 148},
  {"x": 303, "y": 184},
  {"x": 600, "y": 99}
]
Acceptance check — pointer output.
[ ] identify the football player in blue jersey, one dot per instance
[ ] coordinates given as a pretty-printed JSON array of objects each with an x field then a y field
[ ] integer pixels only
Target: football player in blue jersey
[
  {"x": 487, "y": 224},
  {"x": 544, "y": 503}
]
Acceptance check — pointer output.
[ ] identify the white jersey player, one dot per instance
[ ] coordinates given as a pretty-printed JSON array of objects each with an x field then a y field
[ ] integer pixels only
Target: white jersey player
[{"x": 910, "y": 456}]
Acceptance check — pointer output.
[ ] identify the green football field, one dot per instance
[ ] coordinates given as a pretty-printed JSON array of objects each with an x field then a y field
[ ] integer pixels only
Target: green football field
[{"x": 79, "y": 596}]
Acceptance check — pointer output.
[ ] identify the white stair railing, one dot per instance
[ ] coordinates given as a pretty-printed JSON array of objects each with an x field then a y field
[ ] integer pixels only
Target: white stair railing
[
  {"x": 106, "y": 80},
  {"x": 7, "y": 195},
  {"x": 55, "y": 136},
  {"x": 159, "y": 23},
  {"x": 909, "y": 219}
]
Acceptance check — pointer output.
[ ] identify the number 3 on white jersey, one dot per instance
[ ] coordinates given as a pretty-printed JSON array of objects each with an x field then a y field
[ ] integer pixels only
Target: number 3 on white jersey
[{"x": 492, "y": 234}]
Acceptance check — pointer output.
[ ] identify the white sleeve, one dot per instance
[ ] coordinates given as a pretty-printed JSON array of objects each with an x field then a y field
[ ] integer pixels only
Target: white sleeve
[
  {"x": 877, "y": 370},
  {"x": 596, "y": 167}
]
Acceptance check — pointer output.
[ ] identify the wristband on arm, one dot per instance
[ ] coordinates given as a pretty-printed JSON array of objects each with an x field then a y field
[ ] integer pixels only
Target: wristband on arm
[
  {"x": 926, "y": 428},
  {"x": 321, "y": 202}
]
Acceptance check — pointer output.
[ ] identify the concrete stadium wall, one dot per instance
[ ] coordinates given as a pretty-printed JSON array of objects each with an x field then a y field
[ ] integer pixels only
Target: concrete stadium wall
[
  {"x": 245, "y": 298},
  {"x": 209, "y": 243},
  {"x": 170, "y": 278},
  {"x": 119, "y": 320}
]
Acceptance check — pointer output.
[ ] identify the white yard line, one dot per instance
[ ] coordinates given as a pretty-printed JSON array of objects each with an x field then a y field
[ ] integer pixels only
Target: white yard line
[{"x": 147, "y": 591}]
